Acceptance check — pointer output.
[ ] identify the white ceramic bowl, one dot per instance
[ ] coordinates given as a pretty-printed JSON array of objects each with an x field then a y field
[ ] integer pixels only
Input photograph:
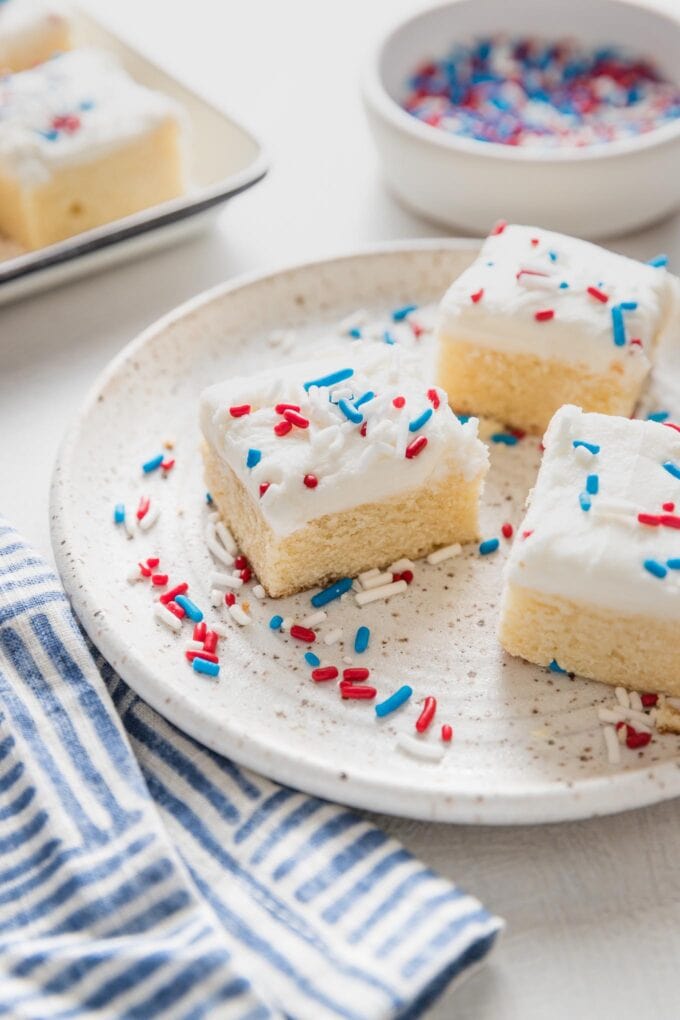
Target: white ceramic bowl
[{"x": 595, "y": 191}]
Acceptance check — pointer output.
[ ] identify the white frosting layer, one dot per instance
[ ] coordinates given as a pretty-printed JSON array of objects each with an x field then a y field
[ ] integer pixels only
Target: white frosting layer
[
  {"x": 581, "y": 330},
  {"x": 25, "y": 24},
  {"x": 598, "y": 556},
  {"x": 351, "y": 469},
  {"x": 71, "y": 109}
]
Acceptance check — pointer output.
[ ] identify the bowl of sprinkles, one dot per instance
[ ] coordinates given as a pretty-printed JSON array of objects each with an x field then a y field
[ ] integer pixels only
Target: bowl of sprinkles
[{"x": 567, "y": 113}]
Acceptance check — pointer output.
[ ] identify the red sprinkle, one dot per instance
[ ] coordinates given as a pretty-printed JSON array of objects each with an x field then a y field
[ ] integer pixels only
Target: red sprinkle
[
  {"x": 670, "y": 521},
  {"x": 636, "y": 738},
  {"x": 324, "y": 673},
  {"x": 144, "y": 570},
  {"x": 200, "y": 630},
  {"x": 433, "y": 397},
  {"x": 405, "y": 575},
  {"x": 544, "y": 315},
  {"x": 355, "y": 692},
  {"x": 668, "y": 507},
  {"x": 167, "y": 465},
  {"x": 240, "y": 562},
  {"x": 160, "y": 580},
  {"x": 671, "y": 425},
  {"x": 498, "y": 228},
  {"x": 153, "y": 561},
  {"x": 527, "y": 534},
  {"x": 637, "y": 342},
  {"x": 652, "y": 519},
  {"x": 179, "y": 589},
  {"x": 355, "y": 673},
  {"x": 296, "y": 419},
  {"x": 302, "y": 634},
  {"x": 415, "y": 447},
  {"x": 280, "y": 408},
  {"x": 191, "y": 655},
  {"x": 175, "y": 609},
  {"x": 211, "y": 639},
  {"x": 649, "y": 700},
  {"x": 68, "y": 123},
  {"x": 534, "y": 241},
  {"x": 362, "y": 430},
  {"x": 246, "y": 574},
  {"x": 263, "y": 488},
  {"x": 447, "y": 733},
  {"x": 517, "y": 433},
  {"x": 529, "y": 272},
  {"x": 282, "y": 428},
  {"x": 311, "y": 481},
  {"x": 507, "y": 530},
  {"x": 427, "y": 714},
  {"x": 143, "y": 508},
  {"x": 399, "y": 401},
  {"x": 598, "y": 294},
  {"x": 477, "y": 296},
  {"x": 239, "y": 410},
  {"x": 416, "y": 328},
  {"x": 229, "y": 599}
]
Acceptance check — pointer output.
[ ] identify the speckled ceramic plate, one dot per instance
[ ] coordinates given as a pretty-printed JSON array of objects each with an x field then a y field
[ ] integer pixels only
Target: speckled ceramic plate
[{"x": 527, "y": 746}]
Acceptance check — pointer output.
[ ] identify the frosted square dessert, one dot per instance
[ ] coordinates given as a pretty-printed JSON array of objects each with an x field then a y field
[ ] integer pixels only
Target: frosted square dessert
[
  {"x": 82, "y": 144},
  {"x": 31, "y": 31},
  {"x": 326, "y": 468},
  {"x": 593, "y": 579},
  {"x": 540, "y": 320}
]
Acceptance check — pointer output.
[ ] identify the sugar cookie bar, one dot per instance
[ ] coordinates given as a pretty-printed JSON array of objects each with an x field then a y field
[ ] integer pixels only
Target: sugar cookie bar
[
  {"x": 327, "y": 468},
  {"x": 540, "y": 320},
  {"x": 593, "y": 580},
  {"x": 82, "y": 144}
]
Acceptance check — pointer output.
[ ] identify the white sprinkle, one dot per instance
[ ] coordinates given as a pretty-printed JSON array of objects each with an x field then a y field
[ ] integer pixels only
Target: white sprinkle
[
  {"x": 445, "y": 553},
  {"x": 220, "y": 629},
  {"x": 226, "y": 538},
  {"x": 239, "y": 615},
  {"x": 622, "y": 734},
  {"x": 615, "y": 509},
  {"x": 368, "y": 574},
  {"x": 166, "y": 617},
  {"x": 377, "y": 581},
  {"x": 396, "y": 588},
  {"x": 347, "y": 660},
  {"x": 286, "y": 624},
  {"x": 129, "y": 526},
  {"x": 419, "y": 748},
  {"x": 134, "y": 574},
  {"x": 636, "y": 701},
  {"x": 533, "y": 282},
  {"x": 149, "y": 519},
  {"x": 612, "y": 744},
  {"x": 584, "y": 456},
  {"x": 216, "y": 598},
  {"x": 622, "y": 697},
  {"x": 401, "y": 565},
  {"x": 653, "y": 716},
  {"x": 314, "y": 619},
  {"x": 219, "y": 580},
  {"x": 332, "y": 636},
  {"x": 193, "y": 646},
  {"x": 259, "y": 592},
  {"x": 621, "y": 714},
  {"x": 356, "y": 585},
  {"x": 216, "y": 548}
]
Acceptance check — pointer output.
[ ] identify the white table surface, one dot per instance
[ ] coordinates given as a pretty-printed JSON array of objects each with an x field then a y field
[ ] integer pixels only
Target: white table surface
[{"x": 593, "y": 908}]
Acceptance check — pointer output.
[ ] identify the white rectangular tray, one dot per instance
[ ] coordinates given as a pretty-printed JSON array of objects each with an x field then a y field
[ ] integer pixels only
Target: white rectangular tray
[{"x": 223, "y": 159}]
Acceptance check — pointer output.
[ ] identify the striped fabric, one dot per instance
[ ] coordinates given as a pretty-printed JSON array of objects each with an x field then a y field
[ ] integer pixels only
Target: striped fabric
[{"x": 143, "y": 876}]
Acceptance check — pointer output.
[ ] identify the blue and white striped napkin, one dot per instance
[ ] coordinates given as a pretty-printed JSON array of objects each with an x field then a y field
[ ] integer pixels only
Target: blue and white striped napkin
[{"x": 142, "y": 875}]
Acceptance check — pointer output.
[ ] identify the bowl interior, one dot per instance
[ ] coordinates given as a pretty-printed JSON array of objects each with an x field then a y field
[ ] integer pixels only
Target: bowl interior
[{"x": 430, "y": 35}]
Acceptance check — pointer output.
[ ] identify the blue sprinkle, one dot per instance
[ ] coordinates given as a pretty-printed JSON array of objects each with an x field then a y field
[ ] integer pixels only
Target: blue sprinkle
[
  {"x": 555, "y": 667},
  {"x": 584, "y": 500},
  {"x": 355, "y": 332},
  {"x": 361, "y": 639},
  {"x": 50, "y": 136},
  {"x": 590, "y": 447},
  {"x": 203, "y": 666},
  {"x": 394, "y": 701},
  {"x": 659, "y": 261},
  {"x": 190, "y": 608},
  {"x": 672, "y": 469},
  {"x": 592, "y": 485},
  {"x": 629, "y": 306},
  {"x": 552, "y": 255},
  {"x": 119, "y": 513},
  {"x": 208, "y": 499},
  {"x": 618, "y": 327},
  {"x": 399, "y": 314},
  {"x": 388, "y": 338},
  {"x": 334, "y": 591},
  {"x": 506, "y": 438},
  {"x": 421, "y": 420},
  {"x": 463, "y": 418},
  {"x": 254, "y": 457},
  {"x": 364, "y": 398},
  {"x": 153, "y": 464},
  {"x": 658, "y": 416},
  {"x": 490, "y": 263},
  {"x": 312, "y": 660},
  {"x": 350, "y": 411},
  {"x": 330, "y": 380},
  {"x": 564, "y": 285},
  {"x": 87, "y": 104},
  {"x": 673, "y": 564},
  {"x": 488, "y": 546},
  {"x": 275, "y": 622},
  {"x": 655, "y": 568}
]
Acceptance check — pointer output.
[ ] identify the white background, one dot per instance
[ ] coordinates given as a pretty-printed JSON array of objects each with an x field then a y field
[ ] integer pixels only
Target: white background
[{"x": 593, "y": 908}]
